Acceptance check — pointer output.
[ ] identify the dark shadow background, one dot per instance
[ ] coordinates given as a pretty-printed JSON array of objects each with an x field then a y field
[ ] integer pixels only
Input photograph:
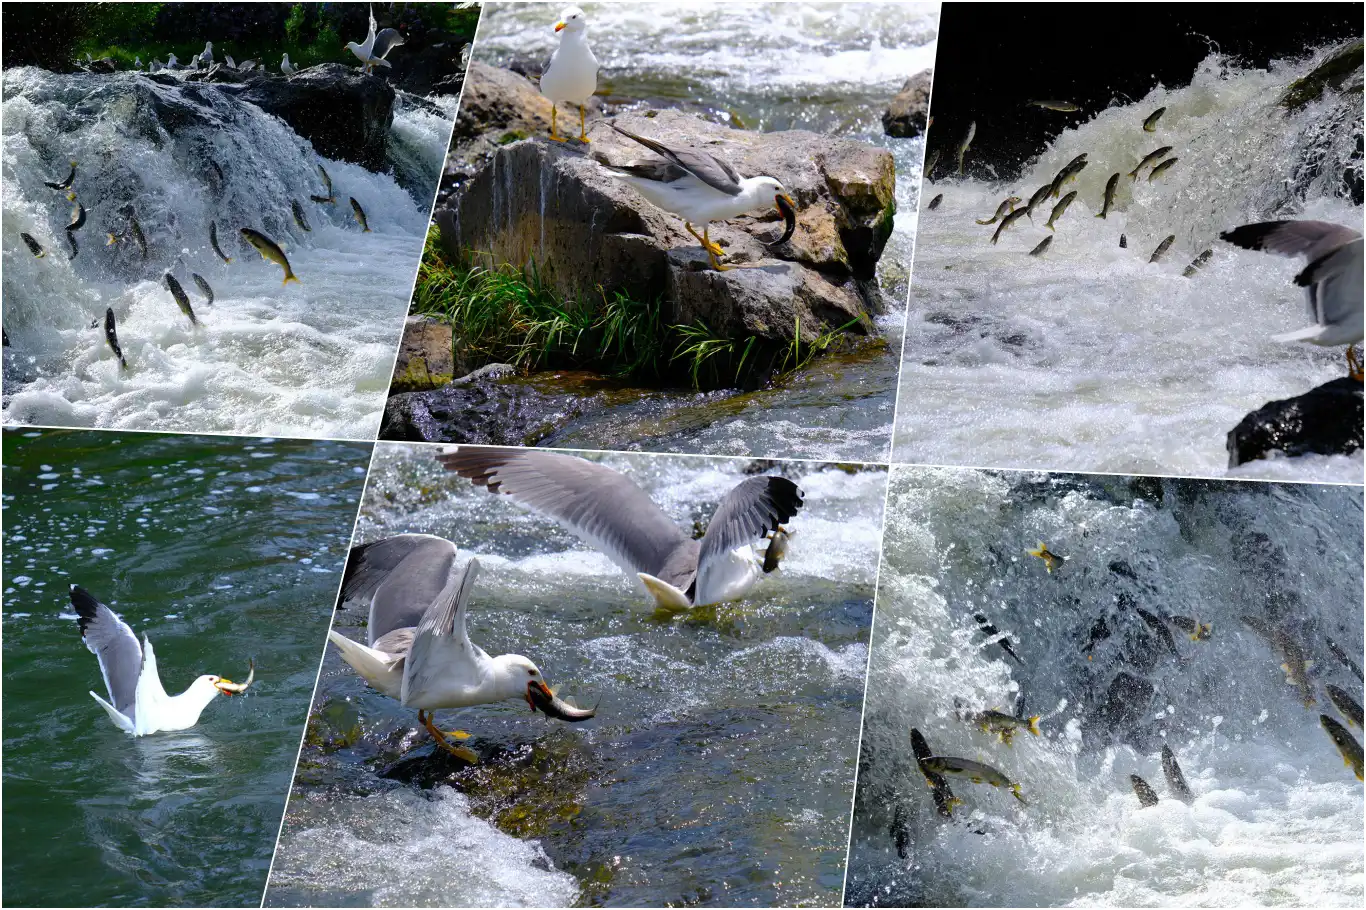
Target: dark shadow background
[{"x": 996, "y": 57}]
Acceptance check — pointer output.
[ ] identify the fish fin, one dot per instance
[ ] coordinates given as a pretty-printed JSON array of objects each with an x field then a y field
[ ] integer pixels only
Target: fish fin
[
  {"x": 1015, "y": 789},
  {"x": 288, "y": 278},
  {"x": 1034, "y": 724}
]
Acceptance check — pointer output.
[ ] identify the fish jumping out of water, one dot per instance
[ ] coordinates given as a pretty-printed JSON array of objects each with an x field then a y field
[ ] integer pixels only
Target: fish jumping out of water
[
  {"x": 1004, "y": 725},
  {"x": 1197, "y": 630},
  {"x": 1346, "y": 743},
  {"x": 299, "y": 217},
  {"x": 181, "y": 298},
  {"x": 965, "y": 145},
  {"x": 974, "y": 771},
  {"x": 1197, "y": 264},
  {"x": 1176, "y": 781},
  {"x": 1050, "y": 559},
  {"x": 1161, "y": 168},
  {"x": 1005, "y": 208},
  {"x": 1148, "y": 159},
  {"x": 1162, "y": 248},
  {"x": 1042, "y": 247},
  {"x": 331, "y": 197},
  {"x": 111, "y": 335},
  {"x": 65, "y": 184},
  {"x": 944, "y": 800},
  {"x": 213, "y": 241},
  {"x": 270, "y": 251},
  {"x": 1147, "y": 797},
  {"x": 991, "y": 631},
  {"x": 934, "y": 203},
  {"x": 1065, "y": 107},
  {"x": 1110, "y": 186},
  {"x": 203, "y": 288},
  {"x": 1007, "y": 221},
  {"x": 1060, "y": 209},
  {"x": 360, "y": 216},
  {"x": 1348, "y": 706},
  {"x": 1150, "y": 122}
]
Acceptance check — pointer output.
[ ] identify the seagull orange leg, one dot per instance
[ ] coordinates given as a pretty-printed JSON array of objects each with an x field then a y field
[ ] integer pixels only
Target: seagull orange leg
[
  {"x": 583, "y": 134},
  {"x": 554, "y": 114},
  {"x": 457, "y": 751},
  {"x": 1354, "y": 364}
]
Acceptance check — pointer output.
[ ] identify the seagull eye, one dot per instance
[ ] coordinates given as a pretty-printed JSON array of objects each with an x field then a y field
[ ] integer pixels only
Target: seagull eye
[{"x": 530, "y": 672}]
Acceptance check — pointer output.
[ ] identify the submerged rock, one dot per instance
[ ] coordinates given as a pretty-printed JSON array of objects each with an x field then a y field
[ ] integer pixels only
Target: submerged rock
[
  {"x": 591, "y": 236},
  {"x": 344, "y": 113},
  {"x": 1324, "y": 421},
  {"x": 481, "y": 410},
  {"x": 909, "y": 110}
]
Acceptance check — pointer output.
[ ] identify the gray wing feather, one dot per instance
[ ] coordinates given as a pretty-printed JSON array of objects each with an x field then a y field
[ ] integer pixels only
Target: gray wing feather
[
  {"x": 714, "y": 172},
  {"x": 441, "y": 644},
  {"x": 114, "y": 645},
  {"x": 400, "y": 576},
  {"x": 385, "y": 41},
  {"x": 1314, "y": 239},
  {"x": 599, "y": 505},
  {"x": 751, "y": 510},
  {"x": 395, "y": 641}
]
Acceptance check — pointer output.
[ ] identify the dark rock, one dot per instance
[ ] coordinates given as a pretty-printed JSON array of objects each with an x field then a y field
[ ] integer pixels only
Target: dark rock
[
  {"x": 592, "y": 236},
  {"x": 1324, "y": 421},
  {"x": 482, "y": 412},
  {"x": 1334, "y": 73},
  {"x": 1125, "y": 702},
  {"x": 343, "y": 112},
  {"x": 909, "y": 111}
]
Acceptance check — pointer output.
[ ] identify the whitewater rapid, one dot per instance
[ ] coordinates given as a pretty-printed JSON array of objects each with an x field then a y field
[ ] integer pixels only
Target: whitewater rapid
[
  {"x": 306, "y": 359},
  {"x": 1276, "y": 818},
  {"x": 1091, "y": 358}
]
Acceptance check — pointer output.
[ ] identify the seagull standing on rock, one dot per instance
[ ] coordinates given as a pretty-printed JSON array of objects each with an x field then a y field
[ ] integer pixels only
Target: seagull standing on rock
[
  {"x": 701, "y": 187},
  {"x": 377, "y": 45},
  {"x": 286, "y": 67},
  {"x": 571, "y": 75},
  {"x": 1332, "y": 281}
]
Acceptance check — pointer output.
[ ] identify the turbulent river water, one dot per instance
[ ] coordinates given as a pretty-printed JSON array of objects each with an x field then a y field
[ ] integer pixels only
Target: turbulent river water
[
  {"x": 1275, "y": 819},
  {"x": 312, "y": 358},
  {"x": 720, "y": 765},
  {"x": 826, "y": 67},
  {"x": 221, "y": 551},
  {"x": 1089, "y": 357}
]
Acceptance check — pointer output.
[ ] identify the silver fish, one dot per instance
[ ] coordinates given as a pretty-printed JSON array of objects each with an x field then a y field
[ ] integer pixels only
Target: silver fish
[
  {"x": 1110, "y": 186},
  {"x": 181, "y": 298},
  {"x": 1162, "y": 248},
  {"x": 203, "y": 287},
  {"x": 1042, "y": 247},
  {"x": 965, "y": 144}
]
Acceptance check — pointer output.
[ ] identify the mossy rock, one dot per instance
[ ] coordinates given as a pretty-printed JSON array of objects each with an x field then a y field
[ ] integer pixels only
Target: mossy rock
[{"x": 1332, "y": 73}]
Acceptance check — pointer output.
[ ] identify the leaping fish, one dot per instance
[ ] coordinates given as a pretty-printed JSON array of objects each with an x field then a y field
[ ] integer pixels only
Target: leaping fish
[
  {"x": 181, "y": 298},
  {"x": 1197, "y": 264},
  {"x": 1162, "y": 248},
  {"x": 330, "y": 198},
  {"x": 974, "y": 771},
  {"x": 111, "y": 335},
  {"x": 203, "y": 287},
  {"x": 360, "y": 215},
  {"x": 1065, "y": 107},
  {"x": 1346, "y": 743},
  {"x": 1005, "y": 208},
  {"x": 1007, "y": 221},
  {"x": 65, "y": 184},
  {"x": 1147, "y": 797},
  {"x": 213, "y": 241},
  {"x": 270, "y": 251},
  {"x": 1110, "y": 186},
  {"x": 944, "y": 800},
  {"x": 1150, "y": 122},
  {"x": 77, "y": 218},
  {"x": 1176, "y": 781},
  {"x": 299, "y": 218},
  {"x": 1162, "y": 168},
  {"x": 1348, "y": 706},
  {"x": 1149, "y": 159},
  {"x": 1042, "y": 247},
  {"x": 1061, "y": 208},
  {"x": 965, "y": 144},
  {"x": 1050, "y": 559},
  {"x": 34, "y": 246}
]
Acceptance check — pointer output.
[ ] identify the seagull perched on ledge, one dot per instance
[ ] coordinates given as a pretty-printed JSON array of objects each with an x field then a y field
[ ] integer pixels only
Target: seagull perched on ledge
[
  {"x": 571, "y": 75},
  {"x": 376, "y": 46}
]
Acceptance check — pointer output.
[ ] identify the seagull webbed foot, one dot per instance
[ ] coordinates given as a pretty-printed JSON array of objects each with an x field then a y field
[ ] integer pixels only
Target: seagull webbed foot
[{"x": 458, "y": 751}]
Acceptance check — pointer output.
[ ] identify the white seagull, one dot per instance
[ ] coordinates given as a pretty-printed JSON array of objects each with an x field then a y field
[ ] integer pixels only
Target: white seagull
[
  {"x": 286, "y": 67},
  {"x": 205, "y": 58},
  {"x": 701, "y": 187},
  {"x": 610, "y": 513},
  {"x": 137, "y": 702},
  {"x": 1332, "y": 280},
  {"x": 419, "y": 649},
  {"x": 376, "y": 46},
  {"x": 571, "y": 74}
]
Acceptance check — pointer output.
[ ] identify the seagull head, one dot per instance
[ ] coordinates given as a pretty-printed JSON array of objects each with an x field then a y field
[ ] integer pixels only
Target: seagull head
[
  {"x": 768, "y": 191},
  {"x": 572, "y": 20},
  {"x": 523, "y": 679}
]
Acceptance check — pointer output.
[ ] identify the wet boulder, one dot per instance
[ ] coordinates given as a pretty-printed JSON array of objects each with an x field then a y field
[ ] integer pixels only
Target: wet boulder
[
  {"x": 908, "y": 112},
  {"x": 1324, "y": 421},
  {"x": 343, "y": 112},
  {"x": 592, "y": 236},
  {"x": 426, "y": 355}
]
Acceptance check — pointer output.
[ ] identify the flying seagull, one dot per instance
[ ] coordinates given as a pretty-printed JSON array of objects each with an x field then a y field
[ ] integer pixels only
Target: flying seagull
[
  {"x": 606, "y": 510},
  {"x": 1332, "y": 280}
]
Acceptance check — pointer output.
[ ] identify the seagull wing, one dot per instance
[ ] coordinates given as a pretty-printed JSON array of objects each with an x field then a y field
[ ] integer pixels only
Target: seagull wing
[
  {"x": 1314, "y": 239},
  {"x": 115, "y": 646},
  {"x": 441, "y": 652},
  {"x": 713, "y": 171},
  {"x": 150, "y": 694},
  {"x": 599, "y": 505},
  {"x": 751, "y": 510},
  {"x": 1334, "y": 284},
  {"x": 385, "y": 41},
  {"x": 370, "y": 36},
  {"x": 400, "y": 576}
]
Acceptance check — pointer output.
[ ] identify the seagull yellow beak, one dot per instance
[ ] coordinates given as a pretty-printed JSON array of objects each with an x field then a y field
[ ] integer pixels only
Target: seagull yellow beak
[
  {"x": 788, "y": 208},
  {"x": 559, "y": 26},
  {"x": 228, "y": 687}
]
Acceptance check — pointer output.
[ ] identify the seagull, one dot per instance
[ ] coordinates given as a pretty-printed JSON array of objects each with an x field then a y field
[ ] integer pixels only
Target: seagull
[
  {"x": 376, "y": 46},
  {"x": 172, "y": 62},
  {"x": 205, "y": 58},
  {"x": 606, "y": 510},
  {"x": 286, "y": 67},
  {"x": 1332, "y": 280},
  {"x": 701, "y": 187},
  {"x": 137, "y": 702},
  {"x": 419, "y": 650},
  {"x": 155, "y": 66},
  {"x": 232, "y": 64},
  {"x": 571, "y": 74},
  {"x": 137, "y": 63}
]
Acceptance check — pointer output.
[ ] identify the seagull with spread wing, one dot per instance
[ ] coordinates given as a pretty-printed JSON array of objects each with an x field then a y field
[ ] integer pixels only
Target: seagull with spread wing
[
  {"x": 419, "y": 650},
  {"x": 608, "y": 511},
  {"x": 376, "y": 46},
  {"x": 700, "y": 187},
  {"x": 1332, "y": 281},
  {"x": 138, "y": 704}
]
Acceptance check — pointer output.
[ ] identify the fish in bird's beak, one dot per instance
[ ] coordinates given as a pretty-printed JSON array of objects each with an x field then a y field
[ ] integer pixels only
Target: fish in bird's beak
[
  {"x": 788, "y": 208},
  {"x": 559, "y": 26},
  {"x": 228, "y": 687},
  {"x": 538, "y": 695}
]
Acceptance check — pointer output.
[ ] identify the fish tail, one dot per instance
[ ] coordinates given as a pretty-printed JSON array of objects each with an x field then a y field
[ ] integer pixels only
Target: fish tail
[
  {"x": 1015, "y": 789},
  {"x": 1034, "y": 724},
  {"x": 290, "y": 276},
  {"x": 1038, "y": 552}
]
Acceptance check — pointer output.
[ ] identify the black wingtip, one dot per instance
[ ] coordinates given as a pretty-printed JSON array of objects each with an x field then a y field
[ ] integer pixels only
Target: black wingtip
[
  {"x": 786, "y": 496},
  {"x": 86, "y": 606},
  {"x": 1251, "y": 236}
]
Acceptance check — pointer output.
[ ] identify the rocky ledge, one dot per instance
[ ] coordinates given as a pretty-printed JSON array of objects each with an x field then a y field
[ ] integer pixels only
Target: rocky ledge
[
  {"x": 1324, "y": 421},
  {"x": 525, "y": 199}
]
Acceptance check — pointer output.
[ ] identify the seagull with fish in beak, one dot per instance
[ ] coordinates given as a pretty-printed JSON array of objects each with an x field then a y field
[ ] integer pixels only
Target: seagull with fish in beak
[
  {"x": 701, "y": 187},
  {"x": 419, "y": 650},
  {"x": 138, "y": 704}
]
